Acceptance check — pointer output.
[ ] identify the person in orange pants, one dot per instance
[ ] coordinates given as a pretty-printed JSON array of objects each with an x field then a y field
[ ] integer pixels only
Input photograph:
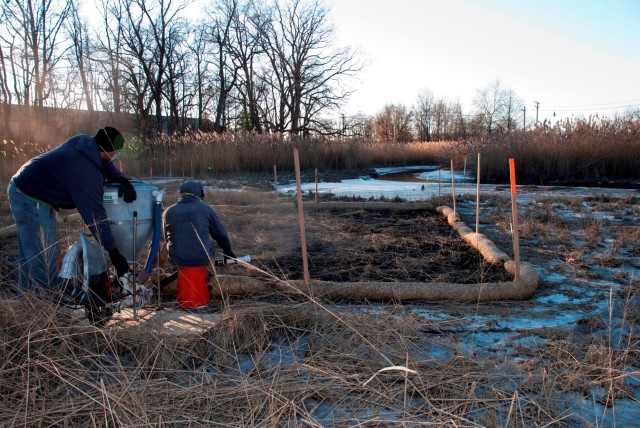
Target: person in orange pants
[{"x": 191, "y": 226}]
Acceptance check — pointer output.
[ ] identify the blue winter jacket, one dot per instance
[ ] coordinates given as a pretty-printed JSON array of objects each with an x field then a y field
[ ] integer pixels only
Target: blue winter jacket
[
  {"x": 189, "y": 225},
  {"x": 72, "y": 176}
]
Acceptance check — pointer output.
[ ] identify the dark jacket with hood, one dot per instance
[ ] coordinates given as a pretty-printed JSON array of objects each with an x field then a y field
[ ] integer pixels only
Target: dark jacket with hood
[
  {"x": 189, "y": 225},
  {"x": 72, "y": 176}
]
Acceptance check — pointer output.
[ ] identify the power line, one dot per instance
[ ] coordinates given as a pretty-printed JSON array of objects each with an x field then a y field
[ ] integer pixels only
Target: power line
[
  {"x": 581, "y": 105},
  {"x": 590, "y": 108}
]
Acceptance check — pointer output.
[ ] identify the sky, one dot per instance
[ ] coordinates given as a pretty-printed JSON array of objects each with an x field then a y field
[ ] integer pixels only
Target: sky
[{"x": 573, "y": 57}]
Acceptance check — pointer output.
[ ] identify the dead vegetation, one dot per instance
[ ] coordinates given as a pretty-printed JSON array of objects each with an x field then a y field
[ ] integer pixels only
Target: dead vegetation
[
  {"x": 392, "y": 245},
  {"x": 274, "y": 360},
  {"x": 292, "y": 364}
]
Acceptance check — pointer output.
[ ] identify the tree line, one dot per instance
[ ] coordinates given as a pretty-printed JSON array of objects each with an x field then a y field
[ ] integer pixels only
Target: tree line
[
  {"x": 242, "y": 65},
  {"x": 496, "y": 110},
  {"x": 262, "y": 66}
]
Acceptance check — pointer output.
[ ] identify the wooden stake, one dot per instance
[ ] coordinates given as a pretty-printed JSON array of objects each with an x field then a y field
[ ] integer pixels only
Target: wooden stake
[
  {"x": 478, "y": 197},
  {"x": 303, "y": 238},
  {"x": 453, "y": 191},
  {"x": 316, "y": 179},
  {"x": 275, "y": 178},
  {"x": 514, "y": 211}
]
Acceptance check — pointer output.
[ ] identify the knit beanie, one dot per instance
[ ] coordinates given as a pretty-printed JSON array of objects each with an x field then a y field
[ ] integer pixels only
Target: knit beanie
[{"x": 109, "y": 139}]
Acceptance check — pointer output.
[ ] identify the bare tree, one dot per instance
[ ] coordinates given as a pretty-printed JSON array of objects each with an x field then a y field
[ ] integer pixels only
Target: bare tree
[
  {"x": 424, "y": 114},
  {"x": 109, "y": 41},
  {"x": 511, "y": 109},
  {"x": 5, "y": 90},
  {"x": 440, "y": 119},
  {"x": 33, "y": 30},
  {"x": 305, "y": 66},
  {"x": 6, "y": 97},
  {"x": 489, "y": 103},
  {"x": 393, "y": 123},
  {"x": 79, "y": 34},
  {"x": 247, "y": 27},
  {"x": 222, "y": 19},
  {"x": 499, "y": 107},
  {"x": 177, "y": 95},
  {"x": 268, "y": 68},
  {"x": 459, "y": 124},
  {"x": 148, "y": 26},
  {"x": 204, "y": 90}
]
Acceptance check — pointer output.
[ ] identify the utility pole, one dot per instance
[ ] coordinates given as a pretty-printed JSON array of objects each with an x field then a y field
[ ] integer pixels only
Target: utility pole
[
  {"x": 537, "y": 105},
  {"x": 524, "y": 117}
]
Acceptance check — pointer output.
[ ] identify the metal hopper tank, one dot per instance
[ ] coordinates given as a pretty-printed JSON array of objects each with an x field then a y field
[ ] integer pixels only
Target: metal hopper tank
[{"x": 132, "y": 223}]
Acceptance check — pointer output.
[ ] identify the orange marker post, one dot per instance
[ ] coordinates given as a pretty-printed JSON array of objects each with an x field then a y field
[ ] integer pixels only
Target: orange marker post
[
  {"x": 303, "y": 238},
  {"x": 514, "y": 211}
]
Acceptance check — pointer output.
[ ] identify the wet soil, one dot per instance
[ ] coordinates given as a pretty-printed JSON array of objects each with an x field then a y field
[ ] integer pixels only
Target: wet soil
[{"x": 353, "y": 244}]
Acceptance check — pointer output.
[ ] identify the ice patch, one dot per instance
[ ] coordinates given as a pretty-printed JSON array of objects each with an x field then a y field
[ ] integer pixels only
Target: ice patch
[
  {"x": 561, "y": 298},
  {"x": 551, "y": 276}
]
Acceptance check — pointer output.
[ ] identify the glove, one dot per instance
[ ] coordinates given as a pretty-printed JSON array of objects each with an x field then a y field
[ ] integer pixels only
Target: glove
[
  {"x": 126, "y": 188},
  {"x": 119, "y": 262},
  {"x": 228, "y": 254}
]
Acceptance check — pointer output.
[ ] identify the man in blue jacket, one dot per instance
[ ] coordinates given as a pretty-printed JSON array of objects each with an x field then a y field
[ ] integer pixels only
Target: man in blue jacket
[
  {"x": 189, "y": 226},
  {"x": 70, "y": 176}
]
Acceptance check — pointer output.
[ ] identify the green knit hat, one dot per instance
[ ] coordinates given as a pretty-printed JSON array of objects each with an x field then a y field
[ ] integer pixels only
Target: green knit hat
[{"x": 109, "y": 139}]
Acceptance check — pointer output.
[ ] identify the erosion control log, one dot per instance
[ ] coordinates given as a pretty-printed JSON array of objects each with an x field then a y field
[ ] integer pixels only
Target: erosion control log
[{"x": 518, "y": 289}]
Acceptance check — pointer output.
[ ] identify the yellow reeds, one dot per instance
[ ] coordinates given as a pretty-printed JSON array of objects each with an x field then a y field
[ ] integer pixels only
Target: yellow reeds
[{"x": 571, "y": 150}]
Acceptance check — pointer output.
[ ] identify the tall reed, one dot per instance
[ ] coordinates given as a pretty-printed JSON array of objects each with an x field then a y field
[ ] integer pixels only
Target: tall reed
[
  {"x": 573, "y": 150},
  {"x": 583, "y": 149},
  {"x": 204, "y": 154}
]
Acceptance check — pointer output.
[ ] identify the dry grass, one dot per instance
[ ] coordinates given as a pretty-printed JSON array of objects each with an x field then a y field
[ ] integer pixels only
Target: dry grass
[
  {"x": 290, "y": 364},
  {"x": 543, "y": 222},
  {"x": 278, "y": 361},
  {"x": 574, "y": 150},
  {"x": 205, "y": 155},
  {"x": 601, "y": 367}
]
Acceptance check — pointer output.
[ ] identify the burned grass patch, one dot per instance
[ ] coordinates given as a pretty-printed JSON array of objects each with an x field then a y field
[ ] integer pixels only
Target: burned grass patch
[{"x": 391, "y": 245}]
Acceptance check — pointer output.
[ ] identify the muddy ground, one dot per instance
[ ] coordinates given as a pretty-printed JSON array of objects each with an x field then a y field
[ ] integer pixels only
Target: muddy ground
[{"x": 394, "y": 245}]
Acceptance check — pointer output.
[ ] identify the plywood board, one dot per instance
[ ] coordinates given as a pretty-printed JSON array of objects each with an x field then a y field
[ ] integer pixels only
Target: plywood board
[{"x": 166, "y": 321}]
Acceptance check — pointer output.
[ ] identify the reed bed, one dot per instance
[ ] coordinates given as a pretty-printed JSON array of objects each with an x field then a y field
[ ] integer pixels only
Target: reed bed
[
  {"x": 277, "y": 363},
  {"x": 204, "y": 155},
  {"x": 585, "y": 150},
  {"x": 573, "y": 150}
]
